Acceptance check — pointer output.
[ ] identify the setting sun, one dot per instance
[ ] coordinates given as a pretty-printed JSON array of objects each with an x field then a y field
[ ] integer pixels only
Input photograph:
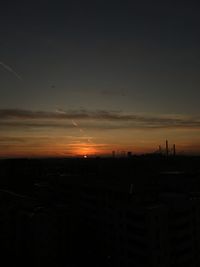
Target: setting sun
[{"x": 85, "y": 150}]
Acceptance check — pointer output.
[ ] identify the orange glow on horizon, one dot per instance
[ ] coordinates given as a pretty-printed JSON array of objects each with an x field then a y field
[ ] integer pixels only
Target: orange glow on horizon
[
  {"x": 85, "y": 149},
  {"x": 80, "y": 149}
]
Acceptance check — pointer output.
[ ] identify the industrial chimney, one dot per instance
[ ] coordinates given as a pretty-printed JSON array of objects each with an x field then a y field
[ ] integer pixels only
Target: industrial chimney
[
  {"x": 167, "y": 148},
  {"x": 174, "y": 150}
]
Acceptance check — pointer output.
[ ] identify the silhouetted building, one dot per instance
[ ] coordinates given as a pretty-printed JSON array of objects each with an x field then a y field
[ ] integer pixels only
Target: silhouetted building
[{"x": 129, "y": 154}]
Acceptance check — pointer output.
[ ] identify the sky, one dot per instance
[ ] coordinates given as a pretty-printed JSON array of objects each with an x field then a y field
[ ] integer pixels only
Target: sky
[{"x": 90, "y": 77}]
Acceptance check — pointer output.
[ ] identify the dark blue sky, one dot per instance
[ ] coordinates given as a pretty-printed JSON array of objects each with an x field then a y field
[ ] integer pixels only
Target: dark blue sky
[{"x": 136, "y": 55}]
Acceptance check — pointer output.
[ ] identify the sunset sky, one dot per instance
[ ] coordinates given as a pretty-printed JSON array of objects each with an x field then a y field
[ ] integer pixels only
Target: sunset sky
[{"x": 89, "y": 77}]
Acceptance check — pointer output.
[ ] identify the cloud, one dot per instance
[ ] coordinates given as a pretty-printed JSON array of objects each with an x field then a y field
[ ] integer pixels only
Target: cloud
[
  {"x": 29, "y": 114},
  {"x": 100, "y": 119},
  {"x": 5, "y": 139}
]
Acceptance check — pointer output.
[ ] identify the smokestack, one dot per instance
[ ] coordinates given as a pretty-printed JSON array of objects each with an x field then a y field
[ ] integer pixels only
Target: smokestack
[
  {"x": 167, "y": 148},
  {"x": 174, "y": 149}
]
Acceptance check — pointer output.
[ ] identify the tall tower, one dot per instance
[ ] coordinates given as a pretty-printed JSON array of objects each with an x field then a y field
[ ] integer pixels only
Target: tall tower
[
  {"x": 167, "y": 148},
  {"x": 174, "y": 150},
  {"x": 113, "y": 154}
]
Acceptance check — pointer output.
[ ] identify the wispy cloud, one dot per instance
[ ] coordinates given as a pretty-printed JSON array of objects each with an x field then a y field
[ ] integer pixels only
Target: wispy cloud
[
  {"x": 100, "y": 119},
  {"x": 6, "y": 139}
]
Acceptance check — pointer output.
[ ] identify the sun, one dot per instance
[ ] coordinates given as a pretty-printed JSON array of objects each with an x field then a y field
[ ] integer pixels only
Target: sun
[{"x": 85, "y": 150}]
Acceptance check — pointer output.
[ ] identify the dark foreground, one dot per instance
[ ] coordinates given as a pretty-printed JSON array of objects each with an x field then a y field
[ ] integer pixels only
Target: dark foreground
[{"x": 139, "y": 211}]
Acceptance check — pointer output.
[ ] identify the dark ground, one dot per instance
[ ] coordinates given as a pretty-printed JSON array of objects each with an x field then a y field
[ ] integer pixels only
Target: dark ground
[{"x": 56, "y": 212}]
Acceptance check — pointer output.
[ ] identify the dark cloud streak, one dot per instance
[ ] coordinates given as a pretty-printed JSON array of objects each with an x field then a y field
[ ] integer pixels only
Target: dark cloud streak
[{"x": 19, "y": 118}]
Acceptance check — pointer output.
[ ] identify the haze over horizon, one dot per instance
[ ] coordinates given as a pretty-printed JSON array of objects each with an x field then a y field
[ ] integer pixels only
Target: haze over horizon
[{"x": 89, "y": 77}]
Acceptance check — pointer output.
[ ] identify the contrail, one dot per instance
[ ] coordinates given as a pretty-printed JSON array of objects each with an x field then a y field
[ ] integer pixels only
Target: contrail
[
  {"x": 8, "y": 68},
  {"x": 75, "y": 124},
  {"x": 60, "y": 111}
]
